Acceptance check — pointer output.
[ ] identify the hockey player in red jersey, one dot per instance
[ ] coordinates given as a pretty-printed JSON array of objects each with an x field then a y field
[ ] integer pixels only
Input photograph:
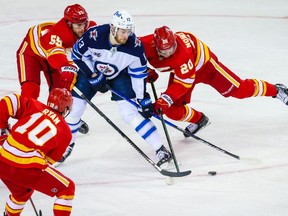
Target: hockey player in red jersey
[
  {"x": 46, "y": 48},
  {"x": 38, "y": 138},
  {"x": 190, "y": 61}
]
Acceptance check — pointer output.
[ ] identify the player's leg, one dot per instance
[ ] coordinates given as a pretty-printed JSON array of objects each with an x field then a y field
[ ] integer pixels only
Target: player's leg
[
  {"x": 22, "y": 182},
  {"x": 229, "y": 84},
  {"x": 79, "y": 105},
  {"x": 179, "y": 111},
  {"x": 129, "y": 113},
  {"x": 29, "y": 70},
  {"x": 145, "y": 128}
]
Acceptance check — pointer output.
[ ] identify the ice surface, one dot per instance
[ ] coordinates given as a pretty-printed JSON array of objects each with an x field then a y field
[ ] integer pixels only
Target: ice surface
[{"x": 112, "y": 179}]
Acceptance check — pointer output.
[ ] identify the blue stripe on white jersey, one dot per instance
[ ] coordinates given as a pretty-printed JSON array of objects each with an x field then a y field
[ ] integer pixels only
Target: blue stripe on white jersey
[
  {"x": 75, "y": 53},
  {"x": 138, "y": 72}
]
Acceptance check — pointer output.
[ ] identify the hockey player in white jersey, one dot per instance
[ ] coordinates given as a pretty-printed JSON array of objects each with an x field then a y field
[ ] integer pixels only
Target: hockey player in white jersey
[{"x": 112, "y": 54}]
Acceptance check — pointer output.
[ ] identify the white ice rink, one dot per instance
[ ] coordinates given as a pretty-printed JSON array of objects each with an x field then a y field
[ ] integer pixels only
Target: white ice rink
[{"x": 112, "y": 179}]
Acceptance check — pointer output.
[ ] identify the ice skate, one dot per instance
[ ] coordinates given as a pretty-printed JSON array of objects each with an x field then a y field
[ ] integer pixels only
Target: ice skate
[
  {"x": 65, "y": 155},
  {"x": 164, "y": 156},
  {"x": 195, "y": 127},
  {"x": 282, "y": 93},
  {"x": 84, "y": 128}
]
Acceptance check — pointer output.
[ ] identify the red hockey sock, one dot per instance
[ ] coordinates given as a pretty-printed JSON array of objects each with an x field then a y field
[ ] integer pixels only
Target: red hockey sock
[{"x": 183, "y": 113}]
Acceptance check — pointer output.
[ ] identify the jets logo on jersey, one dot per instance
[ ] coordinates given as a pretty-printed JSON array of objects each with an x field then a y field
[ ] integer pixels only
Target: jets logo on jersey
[
  {"x": 106, "y": 69},
  {"x": 93, "y": 34}
]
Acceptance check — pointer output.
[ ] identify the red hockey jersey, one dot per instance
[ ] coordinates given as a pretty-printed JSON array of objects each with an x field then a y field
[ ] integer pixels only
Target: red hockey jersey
[
  {"x": 190, "y": 56},
  {"x": 40, "y": 135},
  {"x": 53, "y": 41}
]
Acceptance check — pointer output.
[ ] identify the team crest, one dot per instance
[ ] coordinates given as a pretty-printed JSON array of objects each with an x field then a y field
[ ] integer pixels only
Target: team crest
[
  {"x": 105, "y": 68},
  {"x": 93, "y": 34},
  {"x": 137, "y": 42}
]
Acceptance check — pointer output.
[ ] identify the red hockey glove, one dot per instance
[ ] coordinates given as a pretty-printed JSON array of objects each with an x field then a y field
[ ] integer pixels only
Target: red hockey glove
[
  {"x": 163, "y": 103},
  {"x": 152, "y": 75},
  {"x": 68, "y": 77}
]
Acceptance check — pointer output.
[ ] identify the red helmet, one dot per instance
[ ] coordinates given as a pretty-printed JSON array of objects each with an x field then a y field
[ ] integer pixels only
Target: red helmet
[
  {"x": 164, "y": 38},
  {"x": 75, "y": 14},
  {"x": 59, "y": 99}
]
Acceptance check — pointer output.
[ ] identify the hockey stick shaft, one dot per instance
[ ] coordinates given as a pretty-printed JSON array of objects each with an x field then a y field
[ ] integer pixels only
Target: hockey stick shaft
[
  {"x": 34, "y": 207},
  {"x": 178, "y": 128},
  {"x": 163, "y": 172},
  {"x": 165, "y": 129}
]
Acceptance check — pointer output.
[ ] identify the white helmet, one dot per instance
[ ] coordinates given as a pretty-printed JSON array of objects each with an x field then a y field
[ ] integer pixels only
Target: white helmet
[{"x": 122, "y": 19}]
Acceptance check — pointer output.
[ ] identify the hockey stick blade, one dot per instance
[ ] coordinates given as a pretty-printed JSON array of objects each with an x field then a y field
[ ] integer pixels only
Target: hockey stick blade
[{"x": 175, "y": 174}]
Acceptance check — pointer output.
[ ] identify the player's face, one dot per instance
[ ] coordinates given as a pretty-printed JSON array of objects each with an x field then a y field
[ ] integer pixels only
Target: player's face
[
  {"x": 122, "y": 35},
  {"x": 79, "y": 28},
  {"x": 168, "y": 52}
]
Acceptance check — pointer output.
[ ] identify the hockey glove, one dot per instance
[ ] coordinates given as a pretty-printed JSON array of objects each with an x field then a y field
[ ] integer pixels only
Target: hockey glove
[
  {"x": 162, "y": 104},
  {"x": 146, "y": 107},
  {"x": 68, "y": 77},
  {"x": 152, "y": 76},
  {"x": 98, "y": 82},
  {"x": 4, "y": 134}
]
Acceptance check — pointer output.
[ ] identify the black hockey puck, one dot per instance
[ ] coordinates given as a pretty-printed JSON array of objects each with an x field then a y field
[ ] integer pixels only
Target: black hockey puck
[{"x": 212, "y": 173}]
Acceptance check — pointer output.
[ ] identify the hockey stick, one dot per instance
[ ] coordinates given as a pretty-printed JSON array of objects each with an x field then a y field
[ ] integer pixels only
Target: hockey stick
[
  {"x": 34, "y": 207},
  {"x": 159, "y": 169},
  {"x": 165, "y": 129},
  {"x": 252, "y": 160}
]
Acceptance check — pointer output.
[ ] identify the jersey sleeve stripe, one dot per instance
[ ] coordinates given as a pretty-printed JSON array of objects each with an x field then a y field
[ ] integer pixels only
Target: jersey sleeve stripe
[
  {"x": 34, "y": 35},
  {"x": 76, "y": 55},
  {"x": 202, "y": 54},
  {"x": 139, "y": 72},
  {"x": 186, "y": 85},
  {"x": 13, "y": 104},
  {"x": 138, "y": 75},
  {"x": 139, "y": 69},
  {"x": 56, "y": 51},
  {"x": 22, "y": 62}
]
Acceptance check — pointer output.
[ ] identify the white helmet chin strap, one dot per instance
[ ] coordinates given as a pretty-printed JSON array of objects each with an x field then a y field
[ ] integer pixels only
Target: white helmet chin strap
[
  {"x": 112, "y": 37},
  {"x": 113, "y": 30}
]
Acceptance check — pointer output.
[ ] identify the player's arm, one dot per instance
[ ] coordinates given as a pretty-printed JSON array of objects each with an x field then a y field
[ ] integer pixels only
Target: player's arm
[
  {"x": 10, "y": 106},
  {"x": 138, "y": 73},
  {"x": 83, "y": 59},
  {"x": 57, "y": 58},
  {"x": 138, "y": 69},
  {"x": 176, "y": 89}
]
